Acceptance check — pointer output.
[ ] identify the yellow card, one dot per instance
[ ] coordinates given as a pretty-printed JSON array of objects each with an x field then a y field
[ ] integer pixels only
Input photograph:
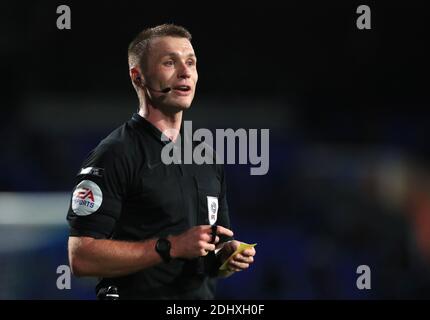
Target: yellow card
[{"x": 243, "y": 246}]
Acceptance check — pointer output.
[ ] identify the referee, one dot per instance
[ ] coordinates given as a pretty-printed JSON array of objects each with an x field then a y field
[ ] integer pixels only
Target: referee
[{"x": 150, "y": 230}]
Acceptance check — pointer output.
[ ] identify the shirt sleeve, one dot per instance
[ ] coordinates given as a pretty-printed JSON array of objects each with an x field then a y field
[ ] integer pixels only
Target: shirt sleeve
[{"x": 100, "y": 188}]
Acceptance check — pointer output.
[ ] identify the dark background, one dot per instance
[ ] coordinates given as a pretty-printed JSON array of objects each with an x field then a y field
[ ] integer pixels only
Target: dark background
[{"x": 347, "y": 109}]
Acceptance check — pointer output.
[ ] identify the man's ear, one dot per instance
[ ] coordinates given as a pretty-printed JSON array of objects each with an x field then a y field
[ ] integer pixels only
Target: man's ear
[{"x": 136, "y": 76}]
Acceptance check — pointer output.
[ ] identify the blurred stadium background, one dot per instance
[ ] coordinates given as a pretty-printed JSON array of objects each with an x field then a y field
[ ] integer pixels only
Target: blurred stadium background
[{"x": 348, "y": 116}]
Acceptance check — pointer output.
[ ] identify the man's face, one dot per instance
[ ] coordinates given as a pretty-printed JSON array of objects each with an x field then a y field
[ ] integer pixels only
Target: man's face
[{"x": 172, "y": 63}]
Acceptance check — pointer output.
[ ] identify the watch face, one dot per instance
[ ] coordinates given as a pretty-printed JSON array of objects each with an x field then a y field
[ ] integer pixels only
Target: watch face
[
  {"x": 163, "y": 248},
  {"x": 163, "y": 245}
]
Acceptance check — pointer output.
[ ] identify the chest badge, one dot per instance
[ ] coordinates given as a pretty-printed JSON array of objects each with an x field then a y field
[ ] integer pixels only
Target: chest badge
[{"x": 212, "y": 209}]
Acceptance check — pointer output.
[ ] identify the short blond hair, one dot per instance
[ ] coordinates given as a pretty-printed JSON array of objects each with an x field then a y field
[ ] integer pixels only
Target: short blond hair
[{"x": 138, "y": 48}]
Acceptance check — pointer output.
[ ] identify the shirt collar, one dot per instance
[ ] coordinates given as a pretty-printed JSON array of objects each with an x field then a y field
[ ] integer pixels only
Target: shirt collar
[{"x": 148, "y": 127}]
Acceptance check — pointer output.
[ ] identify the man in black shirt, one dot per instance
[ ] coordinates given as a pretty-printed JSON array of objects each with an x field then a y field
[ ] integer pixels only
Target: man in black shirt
[{"x": 153, "y": 230}]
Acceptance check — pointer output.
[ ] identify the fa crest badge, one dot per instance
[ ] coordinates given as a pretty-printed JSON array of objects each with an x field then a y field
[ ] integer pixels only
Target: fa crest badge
[{"x": 212, "y": 209}]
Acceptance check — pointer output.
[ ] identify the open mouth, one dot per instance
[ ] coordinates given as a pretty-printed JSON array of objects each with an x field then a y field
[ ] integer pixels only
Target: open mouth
[{"x": 182, "y": 88}]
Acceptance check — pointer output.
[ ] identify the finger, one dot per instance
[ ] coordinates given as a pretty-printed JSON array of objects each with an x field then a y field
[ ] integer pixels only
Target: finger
[
  {"x": 224, "y": 231},
  {"x": 208, "y": 246},
  {"x": 234, "y": 245},
  {"x": 216, "y": 240},
  {"x": 237, "y": 264},
  {"x": 244, "y": 259},
  {"x": 209, "y": 238},
  {"x": 249, "y": 252},
  {"x": 234, "y": 269}
]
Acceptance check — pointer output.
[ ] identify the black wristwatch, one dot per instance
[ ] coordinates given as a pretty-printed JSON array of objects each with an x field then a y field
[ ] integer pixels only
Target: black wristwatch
[{"x": 163, "y": 248}]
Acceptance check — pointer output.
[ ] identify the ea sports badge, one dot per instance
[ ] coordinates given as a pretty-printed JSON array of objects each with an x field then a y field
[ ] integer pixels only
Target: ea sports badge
[
  {"x": 212, "y": 209},
  {"x": 87, "y": 198}
]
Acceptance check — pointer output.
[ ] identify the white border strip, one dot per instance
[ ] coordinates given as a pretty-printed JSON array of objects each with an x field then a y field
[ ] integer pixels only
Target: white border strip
[{"x": 37, "y": 208}]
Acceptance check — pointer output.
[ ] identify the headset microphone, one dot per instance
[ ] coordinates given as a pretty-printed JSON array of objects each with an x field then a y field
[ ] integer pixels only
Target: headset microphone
[{"x": 165, "y": 90}]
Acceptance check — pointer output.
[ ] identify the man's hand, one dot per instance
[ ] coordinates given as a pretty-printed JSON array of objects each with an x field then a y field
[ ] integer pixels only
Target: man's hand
[
  {"x": 196, "y": 241},
  {"x": 239, "y": 261}
]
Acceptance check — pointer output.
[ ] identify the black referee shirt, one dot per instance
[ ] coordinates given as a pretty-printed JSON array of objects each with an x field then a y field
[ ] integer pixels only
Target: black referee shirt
[{"x": 125, "y": 192}]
